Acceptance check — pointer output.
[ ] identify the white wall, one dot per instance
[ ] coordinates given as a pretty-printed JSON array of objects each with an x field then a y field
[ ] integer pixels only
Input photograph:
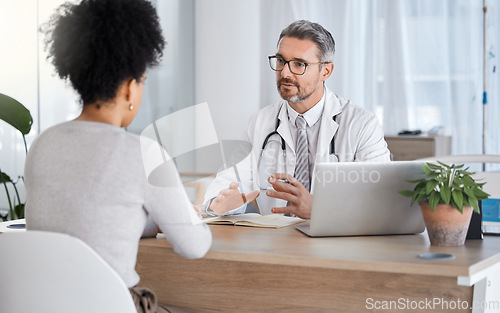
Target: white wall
[
  {"x": 58, "y": 101},
  {"x": 27, "y": 76},
  {"x": 18, "y": 79},
  {"x": 227, "y": 67},
  {"x": 227, "y": 75},
  {"x": 170, "y": 86}
]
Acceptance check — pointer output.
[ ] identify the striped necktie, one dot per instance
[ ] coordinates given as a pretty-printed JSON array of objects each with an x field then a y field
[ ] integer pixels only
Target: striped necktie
[{"x": 302, "y": 153}]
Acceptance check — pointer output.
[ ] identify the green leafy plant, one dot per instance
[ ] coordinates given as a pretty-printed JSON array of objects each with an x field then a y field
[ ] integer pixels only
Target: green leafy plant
[
  {"x": 446, "y": 184},
  {"x": 16, "y": 210},
  {"x": 15, "y": 114}
]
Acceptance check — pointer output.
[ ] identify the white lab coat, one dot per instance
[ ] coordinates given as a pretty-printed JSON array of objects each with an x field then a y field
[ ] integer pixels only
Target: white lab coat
[{"x": 358, "y": 137}]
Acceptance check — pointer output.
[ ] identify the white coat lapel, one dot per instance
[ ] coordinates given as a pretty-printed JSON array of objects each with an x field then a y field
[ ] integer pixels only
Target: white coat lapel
[
  {"x": 284, "y": 128},
  {"x": 328, "y": 127}
]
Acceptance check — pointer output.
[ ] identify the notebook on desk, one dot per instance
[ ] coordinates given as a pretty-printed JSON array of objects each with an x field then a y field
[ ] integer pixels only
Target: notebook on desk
[{"x": 358, "y": 199}]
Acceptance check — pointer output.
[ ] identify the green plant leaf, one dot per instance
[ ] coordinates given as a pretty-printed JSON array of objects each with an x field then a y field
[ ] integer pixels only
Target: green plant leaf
[
  {"x": 452, "y": 203},
  {"x": 449, "y": 184},
  {"x": 420, "y": 185},
  {"x": 434, "y": 199},
  {"x": 480, "y": 194},
  {"x": 472, "y": 198},
  {"x": 467, "y": 201},
  {"x": 465, "y": 172},
  {"x": 427, "y": 170},
  {"x": 414, "y": 181},
  {"x": 458, "y": 198},
  {"x": 15, "y": 114},
  {"x": 468, "y": 181},
  {"x": 434, "y": 167},
  {"x": 11, "y": 209},
  {"x": 434, "y": 175},
  {"x": 414, "y": 198},
  {"x": 19, "y": 210},
  {"x": 476, "y": 206},
  {"x": 468, "y": 191},
  {"x": 4, "y": 178},
  {"x": 421, "y": 197},
  {"x": 444, "y": 164},
  {"x": 445, "y": 193},
  {"x": 431, "y": 184},
  {"x": 406, "y": 193}
]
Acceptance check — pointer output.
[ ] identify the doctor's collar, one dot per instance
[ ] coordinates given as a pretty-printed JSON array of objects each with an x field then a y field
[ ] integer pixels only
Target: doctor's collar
[{"x": 312, "y": 116}]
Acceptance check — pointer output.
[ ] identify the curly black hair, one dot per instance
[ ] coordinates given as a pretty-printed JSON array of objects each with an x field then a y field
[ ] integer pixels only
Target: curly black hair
[{"x": 99, "y": 44}]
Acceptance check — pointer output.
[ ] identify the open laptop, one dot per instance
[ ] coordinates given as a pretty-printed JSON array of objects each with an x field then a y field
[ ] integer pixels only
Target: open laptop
[{"x": 358, "y": 199}]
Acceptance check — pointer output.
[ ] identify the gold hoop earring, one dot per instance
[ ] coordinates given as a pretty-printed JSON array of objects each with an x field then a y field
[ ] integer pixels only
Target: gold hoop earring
[{"x": 131, "y": 107}]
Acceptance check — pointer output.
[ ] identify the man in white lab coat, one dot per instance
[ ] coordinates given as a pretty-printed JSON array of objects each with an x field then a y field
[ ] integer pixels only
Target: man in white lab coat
[{"x": 335, "y": 130}]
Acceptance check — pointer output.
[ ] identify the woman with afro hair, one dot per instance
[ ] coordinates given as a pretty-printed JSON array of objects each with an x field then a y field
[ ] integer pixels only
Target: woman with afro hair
[{"x": 86, "y": 177}]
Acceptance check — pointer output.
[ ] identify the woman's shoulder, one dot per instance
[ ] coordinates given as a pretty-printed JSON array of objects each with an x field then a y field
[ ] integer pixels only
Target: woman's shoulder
[
  {"x": 84, "y": 132},
  {"x": 53, "y": 133},
  {"x": 75, "y": 126}
]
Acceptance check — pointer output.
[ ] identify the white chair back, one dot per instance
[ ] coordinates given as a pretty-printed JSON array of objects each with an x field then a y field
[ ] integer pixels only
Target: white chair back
[{"x": 47, "y": 272}]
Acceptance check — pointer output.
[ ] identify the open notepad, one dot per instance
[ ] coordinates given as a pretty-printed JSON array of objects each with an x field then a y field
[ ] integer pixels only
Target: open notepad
[{"x": 254, "y": 220}]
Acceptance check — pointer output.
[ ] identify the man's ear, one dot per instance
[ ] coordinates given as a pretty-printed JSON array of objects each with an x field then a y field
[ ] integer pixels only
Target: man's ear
[{"x": 326, "y": 70}]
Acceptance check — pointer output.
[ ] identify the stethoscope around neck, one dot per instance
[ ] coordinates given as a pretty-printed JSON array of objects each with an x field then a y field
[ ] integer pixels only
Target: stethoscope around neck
[{"x": 283, "y": 144}]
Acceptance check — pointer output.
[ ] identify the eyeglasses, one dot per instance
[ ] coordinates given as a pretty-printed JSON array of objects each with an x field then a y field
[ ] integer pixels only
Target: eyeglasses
[{"x": 296, "y": 67}]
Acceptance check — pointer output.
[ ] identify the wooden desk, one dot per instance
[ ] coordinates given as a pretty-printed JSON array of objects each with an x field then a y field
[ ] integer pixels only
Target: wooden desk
[{"x": 282, "y": 270}]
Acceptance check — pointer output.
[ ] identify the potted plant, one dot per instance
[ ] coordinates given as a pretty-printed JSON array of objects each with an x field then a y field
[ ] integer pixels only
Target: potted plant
[
  {"x": 447, "y": 195},
  {"x": 15, "y": 114}
]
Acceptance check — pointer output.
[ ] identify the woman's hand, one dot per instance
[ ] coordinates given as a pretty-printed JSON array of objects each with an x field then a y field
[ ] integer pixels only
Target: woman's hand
[{"x": 231, "y": 198}]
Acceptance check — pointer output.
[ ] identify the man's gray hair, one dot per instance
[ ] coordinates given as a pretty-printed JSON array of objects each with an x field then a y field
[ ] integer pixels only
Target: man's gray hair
[{"x": 306, "y": 30}]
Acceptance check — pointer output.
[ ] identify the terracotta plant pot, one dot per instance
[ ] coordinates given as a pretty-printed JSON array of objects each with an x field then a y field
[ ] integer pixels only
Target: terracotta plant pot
[{"x": 446, "y": 226}]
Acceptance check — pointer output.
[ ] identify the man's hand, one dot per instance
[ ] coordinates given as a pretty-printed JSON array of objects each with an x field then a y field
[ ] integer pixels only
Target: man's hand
[
  {"x": 288, "y": 188},
  {"x": 231, "y": 198}
]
